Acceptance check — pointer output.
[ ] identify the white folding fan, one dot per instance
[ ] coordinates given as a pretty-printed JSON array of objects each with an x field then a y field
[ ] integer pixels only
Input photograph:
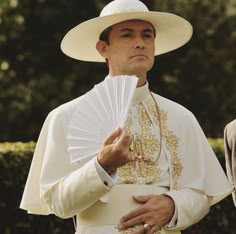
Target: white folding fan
[{"x": 99, "y": 112}]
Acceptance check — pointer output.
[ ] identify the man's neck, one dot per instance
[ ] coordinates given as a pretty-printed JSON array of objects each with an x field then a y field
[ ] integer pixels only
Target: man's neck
[{"x": 141, "y": 81}]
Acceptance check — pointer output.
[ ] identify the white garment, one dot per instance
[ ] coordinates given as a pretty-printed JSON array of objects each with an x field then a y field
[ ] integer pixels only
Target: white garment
[{"x": 54, "y": 185}]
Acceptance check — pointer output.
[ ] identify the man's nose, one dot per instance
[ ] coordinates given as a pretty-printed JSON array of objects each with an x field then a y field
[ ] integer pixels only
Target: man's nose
[{"x": 139, "y": 42}]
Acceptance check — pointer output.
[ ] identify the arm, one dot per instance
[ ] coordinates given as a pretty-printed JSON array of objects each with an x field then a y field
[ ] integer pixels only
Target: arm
[
  {"x": 80, "y": 189},
  {"x": 77, "y": 191}
]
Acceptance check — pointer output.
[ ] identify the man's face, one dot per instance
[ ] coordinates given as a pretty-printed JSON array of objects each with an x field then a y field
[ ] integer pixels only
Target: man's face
[{"x": 131, "y": 48}]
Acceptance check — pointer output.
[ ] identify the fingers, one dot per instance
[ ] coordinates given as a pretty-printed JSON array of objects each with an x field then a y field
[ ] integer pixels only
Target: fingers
[
  {"x": 123, "y": 225},
  {"x": 125, "y": 139},
  {"x": 154, "y": 212},
  {"x": 150, "y": 230},
  {"x": 154, "y": 229},
  {"x": 141, "y": 228},
  {"x": 138, "y": 211},
  {"x": 134, "y": 217},
  {"x": 142, "y": 198},
  {"x": 122, "y": 147},
  {"x": 111, "y": 138},
  {"x": 115, "y": 153}
]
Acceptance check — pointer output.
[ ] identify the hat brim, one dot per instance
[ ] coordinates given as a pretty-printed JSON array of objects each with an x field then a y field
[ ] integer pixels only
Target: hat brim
[{"x": 172, "y": 32}]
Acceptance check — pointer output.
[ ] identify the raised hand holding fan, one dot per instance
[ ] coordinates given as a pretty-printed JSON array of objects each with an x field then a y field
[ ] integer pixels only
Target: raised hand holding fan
[{"x": 100, "y": 111}]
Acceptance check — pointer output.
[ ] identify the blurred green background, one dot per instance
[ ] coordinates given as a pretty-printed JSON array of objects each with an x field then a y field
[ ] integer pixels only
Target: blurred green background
[
  {"x": 36, "y": 77},
  {"x": 15, "y": 159}
]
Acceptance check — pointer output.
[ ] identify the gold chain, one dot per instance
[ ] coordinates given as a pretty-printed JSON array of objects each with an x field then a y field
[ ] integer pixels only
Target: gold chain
[{"x": 160, "y": 125}]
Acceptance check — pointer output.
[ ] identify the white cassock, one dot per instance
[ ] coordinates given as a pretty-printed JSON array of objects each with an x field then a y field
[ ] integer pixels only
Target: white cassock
[{"x": 185, "y": 168}]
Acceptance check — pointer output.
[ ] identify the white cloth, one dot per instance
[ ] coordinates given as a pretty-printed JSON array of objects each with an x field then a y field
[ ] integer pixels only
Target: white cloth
[{"x": 54, "y": 185}]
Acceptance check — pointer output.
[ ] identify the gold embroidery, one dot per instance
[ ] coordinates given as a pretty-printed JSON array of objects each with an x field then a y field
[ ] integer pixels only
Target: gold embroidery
[
  {"x": 135, "y": 228},
  {"x": 144, "y": 169},
  {"x": 131, "y": 230},
  {"x": 172, "y": 142}
]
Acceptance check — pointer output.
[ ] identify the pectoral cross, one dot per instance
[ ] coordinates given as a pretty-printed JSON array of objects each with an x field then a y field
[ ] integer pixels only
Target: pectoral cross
[{"x": 139, "y": 156}]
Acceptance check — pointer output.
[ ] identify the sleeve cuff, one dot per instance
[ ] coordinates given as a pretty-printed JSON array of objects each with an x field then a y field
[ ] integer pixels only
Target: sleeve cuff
[
  {"x": 105, "y": 177},
  {"x": 174, "y": 219}
]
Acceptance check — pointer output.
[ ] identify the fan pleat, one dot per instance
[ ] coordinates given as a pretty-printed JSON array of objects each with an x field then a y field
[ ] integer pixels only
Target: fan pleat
[{"x": 99, "y": 112}]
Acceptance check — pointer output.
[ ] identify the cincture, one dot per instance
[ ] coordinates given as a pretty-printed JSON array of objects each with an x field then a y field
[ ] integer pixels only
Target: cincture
[{"x": 109, "y": 213}]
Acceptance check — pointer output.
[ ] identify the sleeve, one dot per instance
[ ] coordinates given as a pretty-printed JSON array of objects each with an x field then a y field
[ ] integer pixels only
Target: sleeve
[
  {"x": 191, "y": 206},
  {"x": 200, "y": 164},
  {"x": 195, "y": 169},
  {"x": 104, "y": 175},
  {"x": 54, "y": 183},
  {"x": 76, "y": 192},
  {"x": 65, "y": 188}
]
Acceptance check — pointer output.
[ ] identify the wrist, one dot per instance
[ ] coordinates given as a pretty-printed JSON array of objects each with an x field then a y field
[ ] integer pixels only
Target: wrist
[
  {"x": 170, "y": 204},
  {"x": 108, "y": 169}
]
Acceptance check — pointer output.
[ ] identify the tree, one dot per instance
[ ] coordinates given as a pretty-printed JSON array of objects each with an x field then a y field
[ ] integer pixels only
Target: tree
[
  {"x": 201, "y": 75},
  {"x": 35, "y": 76}
]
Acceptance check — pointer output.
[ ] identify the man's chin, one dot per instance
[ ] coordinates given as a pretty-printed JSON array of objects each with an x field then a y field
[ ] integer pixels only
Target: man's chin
[{"x": 141, "y": 68}]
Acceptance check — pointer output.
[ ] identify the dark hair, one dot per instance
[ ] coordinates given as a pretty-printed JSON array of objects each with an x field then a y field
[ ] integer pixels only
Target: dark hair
[{"x": 104, "y": 36}]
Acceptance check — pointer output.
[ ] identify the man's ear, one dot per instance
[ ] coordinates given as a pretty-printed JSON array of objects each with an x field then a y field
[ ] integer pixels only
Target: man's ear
[{"x": 101, "y": 47}]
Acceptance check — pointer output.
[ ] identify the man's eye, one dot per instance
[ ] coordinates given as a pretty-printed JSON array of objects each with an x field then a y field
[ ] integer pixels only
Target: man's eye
[
  {"x": 126, "y": 35},
  {"x": 148, "y": 35}
]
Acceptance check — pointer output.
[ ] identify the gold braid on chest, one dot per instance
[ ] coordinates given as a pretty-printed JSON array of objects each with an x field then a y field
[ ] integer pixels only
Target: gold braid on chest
[{"x": 144, "y": 169}]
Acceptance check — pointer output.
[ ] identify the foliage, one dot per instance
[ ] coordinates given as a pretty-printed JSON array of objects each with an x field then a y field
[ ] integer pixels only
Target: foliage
[
  {"x": 15, "y": 160},
  {"x": 35, "y": 76},
  {"x": 201, "y": 75}
]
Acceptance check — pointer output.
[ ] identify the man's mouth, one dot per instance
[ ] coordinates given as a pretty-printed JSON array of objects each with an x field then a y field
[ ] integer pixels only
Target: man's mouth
[{"x": 139, "y": 56}]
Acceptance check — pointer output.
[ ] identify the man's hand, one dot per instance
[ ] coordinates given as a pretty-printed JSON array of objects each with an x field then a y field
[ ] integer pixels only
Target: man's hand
[
  {"x": 156, "y": 210},
  {"x": 115, "y": 153}
]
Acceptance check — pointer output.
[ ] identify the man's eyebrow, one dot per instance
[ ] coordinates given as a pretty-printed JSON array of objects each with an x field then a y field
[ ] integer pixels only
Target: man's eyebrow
[
  {"x": 132, "y": 30},
  {"x": 148, "y": 30},
  {"x": 126, "y": 29}
]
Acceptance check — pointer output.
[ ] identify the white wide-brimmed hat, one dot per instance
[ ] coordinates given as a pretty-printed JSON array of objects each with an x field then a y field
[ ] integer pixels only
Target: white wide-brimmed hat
[{"x": 172, "y": 31}]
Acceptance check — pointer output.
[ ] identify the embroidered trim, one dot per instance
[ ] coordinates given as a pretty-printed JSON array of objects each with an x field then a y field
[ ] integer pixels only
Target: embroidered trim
[
  {"x": 131, "y": 230},
  {"x": 145, "y": 169},
  {"x": 148, "y": 170},
  {"x": 172, "y": 142}
]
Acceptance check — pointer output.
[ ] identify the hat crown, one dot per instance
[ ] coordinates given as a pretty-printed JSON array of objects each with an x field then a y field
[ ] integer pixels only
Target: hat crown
[
  {"x": 80, "y": 42},
  {"x": 120, "y": 6}
]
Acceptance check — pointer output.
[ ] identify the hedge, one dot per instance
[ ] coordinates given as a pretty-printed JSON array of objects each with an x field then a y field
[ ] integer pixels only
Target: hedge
[{"x": 15, "y": 159}]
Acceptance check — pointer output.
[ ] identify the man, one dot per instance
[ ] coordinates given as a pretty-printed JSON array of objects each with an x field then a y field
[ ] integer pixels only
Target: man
[
  {"x": 230, "y": 154},
  {"x": 157, "y": 175}
]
